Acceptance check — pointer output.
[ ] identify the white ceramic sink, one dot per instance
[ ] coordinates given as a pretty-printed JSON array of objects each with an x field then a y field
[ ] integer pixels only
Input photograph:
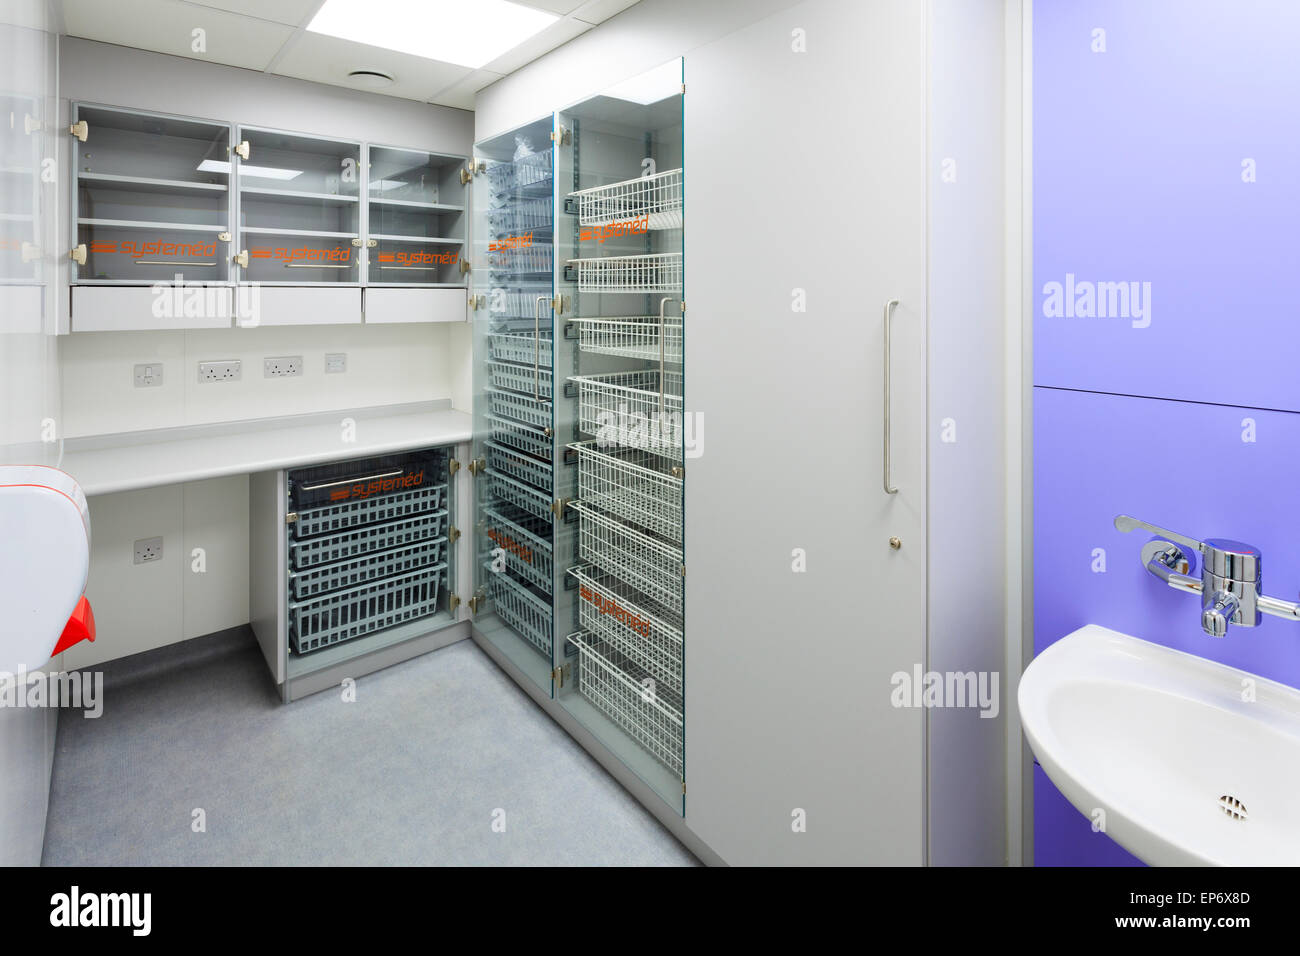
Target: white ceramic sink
[{"x": 1158, "y": 739}]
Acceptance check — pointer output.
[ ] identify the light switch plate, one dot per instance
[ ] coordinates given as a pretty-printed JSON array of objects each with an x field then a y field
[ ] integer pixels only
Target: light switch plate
[
  {"x": 336, "y": 362},
  {"x": 149, "y": 375}
]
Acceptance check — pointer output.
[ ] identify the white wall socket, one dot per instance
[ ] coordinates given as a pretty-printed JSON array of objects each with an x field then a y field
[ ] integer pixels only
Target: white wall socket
[
  {"x": 148, "y": 376},
  {"x": 148, "y": 550},
  {"x": 228, "y": 371},
  {"x": 336, "y": 362},
  {"x": 285, "y": 366}
]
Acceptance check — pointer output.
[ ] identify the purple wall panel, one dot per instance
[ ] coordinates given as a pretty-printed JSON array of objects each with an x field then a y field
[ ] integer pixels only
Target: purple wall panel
[{"x": 1138, "y": 178}]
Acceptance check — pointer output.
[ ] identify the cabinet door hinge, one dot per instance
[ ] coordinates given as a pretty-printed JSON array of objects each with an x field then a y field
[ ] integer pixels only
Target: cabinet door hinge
[
  {"x": 477, "y": 601},
  {"x": 453, "y": 466},
  {"x": 678, "y": 471},
  {"x": 224, "y": 236},
  {"x": 240, "y": 259},
  {"x": 242, "y": 150},
  {"x": 559, "y": 304},
  {"x": 558, "y": 506},
  {"x": 78, "y": 254},
  {"x": 453, "y": 533},
  {"x": 357, "y": 242},
  {"x": 476, "y": 465},
  {"x": 291, "y": 517},
  {"x": 80, "y": 129},
  {"x": 561, "y": 674},
  {"x": 562, "y": 136},
  {"x": 683, "y": 570},
  {"x": 453, "y": 601},
  {"x": 464, "y": 266}
]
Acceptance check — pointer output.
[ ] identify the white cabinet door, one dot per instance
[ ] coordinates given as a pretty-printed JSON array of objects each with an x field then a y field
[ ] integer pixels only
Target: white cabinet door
[
  {"x": 805, "y": 190},
  {"x": 150, "y": 308},
  {"x": 389, "y": 306},
  {"x": 287, "y": 305}
]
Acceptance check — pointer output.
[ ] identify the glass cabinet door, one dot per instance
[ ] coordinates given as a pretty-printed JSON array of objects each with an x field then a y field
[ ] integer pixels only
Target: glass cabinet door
[
  {"x": 621, "y": 425},
  {"x": 299, "y": 208},
  {"x": 20, "y": 208},
  {"x": 514, "y": 404},
  {"x": 416, "y": 203},
  {"x": 152, "y": 197}
]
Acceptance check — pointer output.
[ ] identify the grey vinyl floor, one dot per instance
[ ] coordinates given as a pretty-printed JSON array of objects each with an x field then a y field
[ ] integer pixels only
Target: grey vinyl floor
[{"x": 415, "y": 771}]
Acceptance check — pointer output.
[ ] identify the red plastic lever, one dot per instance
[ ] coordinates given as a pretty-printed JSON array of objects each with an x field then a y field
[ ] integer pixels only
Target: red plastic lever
[{"x": 80, "y": 627}]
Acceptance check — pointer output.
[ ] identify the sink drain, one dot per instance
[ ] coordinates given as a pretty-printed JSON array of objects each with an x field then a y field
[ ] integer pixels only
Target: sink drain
[{"x": 1232, "y": 807}]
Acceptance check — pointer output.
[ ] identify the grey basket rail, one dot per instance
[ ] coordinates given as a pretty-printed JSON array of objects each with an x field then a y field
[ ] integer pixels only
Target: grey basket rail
[
  {"x": 355, "y": 612},
  {"x": 530, "y": 499},
  {"x": 524, "y": 551},
  {"x": 520, "y": 378},
  {"x": 358, "y": 541},
  {"x": 368, "y": 567},
  {"x": 526, "y": 613},
  {"x": 521, "y": 437},
  {"x": 647, "y": 711},
  {"x": 518, "y": 407},
  {"x": 650, "y": 636},
  {"x": 517, "y": 465},
  {"x": 325, "y": 519}
]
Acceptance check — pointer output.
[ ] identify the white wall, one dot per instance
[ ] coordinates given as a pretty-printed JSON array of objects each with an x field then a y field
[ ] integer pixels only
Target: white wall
[{"x": 638, "y": 39}]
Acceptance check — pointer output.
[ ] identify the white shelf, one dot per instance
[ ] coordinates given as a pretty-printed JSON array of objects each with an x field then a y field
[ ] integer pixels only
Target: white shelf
[
  {"x": 290, "y": 195},
  {"x": 422, "y": 240},
  {"x": 413, "y": 204},
  {"x": 148, "y": 183},
  {"x": 146, "y": 224}
]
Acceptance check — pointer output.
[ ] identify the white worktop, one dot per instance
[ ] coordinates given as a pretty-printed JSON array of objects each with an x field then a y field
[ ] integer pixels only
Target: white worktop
[{"x": 107, "y": 464}]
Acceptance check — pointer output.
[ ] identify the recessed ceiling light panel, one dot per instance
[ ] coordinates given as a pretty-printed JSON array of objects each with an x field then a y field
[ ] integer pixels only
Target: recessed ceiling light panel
[{"x": 455, "y": 31}]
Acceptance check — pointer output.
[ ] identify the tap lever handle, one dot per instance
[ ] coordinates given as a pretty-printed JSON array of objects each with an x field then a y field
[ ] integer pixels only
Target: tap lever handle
[{"x": 1129, "y": 523}]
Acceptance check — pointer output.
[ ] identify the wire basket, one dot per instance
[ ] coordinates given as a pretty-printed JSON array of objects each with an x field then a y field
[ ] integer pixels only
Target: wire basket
[
  {"x": 520, "y": 378},
  {"x": 533, "y": 169},
  {"x": 522, "y": 347},
  {"x": 519, "y": 302},
  {"x": 656, "y": 272},
  {"x": 528, "y": 614},
  {"x": 519, "y": 537},
  {"x": 375, "y": 537},
  {"x": 630, "y": 336},
  {"x": 531, "y": 500},
  {"x": 348, "y": 514},
  {"x": 632, "y": 484},
  {"x": 521, "y": 215},
  {"x": 649, "y": 713},
  {"x": 639, "y": 560},
  {"x": 355, "y": 612},
  {"x": 519, "y": 408},
  {"x": 650, "y": 636},
  {"x": 658, "y": 199},
  {"x": 623, "y": 408},
  {"x": 523, "y": 260},
  {"x": 355, "y": 571},
  {"x": 526, "y": 468},
  {"x": 520, "y": 437}
]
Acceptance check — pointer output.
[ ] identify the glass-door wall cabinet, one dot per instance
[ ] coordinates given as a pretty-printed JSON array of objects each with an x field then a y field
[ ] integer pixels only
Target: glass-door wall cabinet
[
  {"x": 417, "y": 217},
  {"x": 300, "y": 209},
  {"x": 152, "y": 199}
]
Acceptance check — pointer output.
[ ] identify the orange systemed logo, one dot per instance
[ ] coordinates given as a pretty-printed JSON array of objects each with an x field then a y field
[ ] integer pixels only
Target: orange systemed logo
[
  {"x": 379, "y": 486},
  {"x": 511, "y": 242},
  {"x": 337, "y": 254},
  {"x": 418, "y": 258},
  {"x": 630, "y": 227},
  {"x": 621, "y": 614},
  {"x": 137, "y": 250},
  {"x": 511, "y": 545}
]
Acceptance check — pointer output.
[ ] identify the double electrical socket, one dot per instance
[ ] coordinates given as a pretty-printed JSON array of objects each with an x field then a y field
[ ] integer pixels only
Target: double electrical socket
[
  {"x": 148, "y": 550},
  {"x": 228, "y": 371},
  {"x": 286, "y": 366}
]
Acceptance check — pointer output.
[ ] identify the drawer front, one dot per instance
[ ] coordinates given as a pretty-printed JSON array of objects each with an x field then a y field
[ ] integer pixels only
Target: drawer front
[
  {"x": 285, "y": 305},
  {"x": 144, "y": 308},
  {"x": 389, "y": 306}
]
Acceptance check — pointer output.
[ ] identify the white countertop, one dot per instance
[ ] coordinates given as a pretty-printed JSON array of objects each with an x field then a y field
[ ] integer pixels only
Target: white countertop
[{"x": 104, "y": 465}]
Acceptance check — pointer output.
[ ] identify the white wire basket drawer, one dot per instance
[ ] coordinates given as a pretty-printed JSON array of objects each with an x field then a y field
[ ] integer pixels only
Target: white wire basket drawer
[
  {"x": 520, "y": 378},
  {"x": 632, "y": 484},
  {"x": 532, "y": 500},
  {"x": 650, "y": 636},
  {"x": 527, "y": 613},
  {"x": 533, "y": 169},
  {"x": 522, "y": 216},
  {"x": 522, "y": 347},
  {"x": 358, "y": 511},
  {"x": 533, "y": 441},
  {"x": 630, "y": 336},
  {"x": 369, "y": 567},
  {"x": 649, "y": 713},
  {"x": 519, "y": 536},
  {"x": 657, "y": 199},
  {"x": 641, "y": 561},
  {"x": 519, "y": 408},
  {"x": 516, "y": 464},
  {"x": 538, "y": 257},
  {"x": 519, "y": 303},
  {"x": 655, "y": 272},
  {"x": 623, "y": 408},
  {"x": 355, "y": 612},
  {"x": 374, "y": 537}
]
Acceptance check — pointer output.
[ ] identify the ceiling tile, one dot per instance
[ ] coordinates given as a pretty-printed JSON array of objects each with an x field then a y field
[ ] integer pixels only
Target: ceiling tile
[
  {"x": 326, "y": 59},
  {"x": 292, "y": 12},
  {"x": 461, "y": 94},
  {"x": 598, "y": 11},
  {"x": 166, "y": 26},
  {"x": 553, "y": 6},
  {"x": 557, "y": 34}
]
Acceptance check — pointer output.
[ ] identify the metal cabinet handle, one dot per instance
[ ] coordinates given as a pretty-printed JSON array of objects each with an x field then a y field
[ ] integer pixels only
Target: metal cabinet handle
[
  {"x": 889, "y": 312},
  {"x": 351, "y": 481},
  {"x": 537, "y": 347},
  {"x": 662, "y": 326}
]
